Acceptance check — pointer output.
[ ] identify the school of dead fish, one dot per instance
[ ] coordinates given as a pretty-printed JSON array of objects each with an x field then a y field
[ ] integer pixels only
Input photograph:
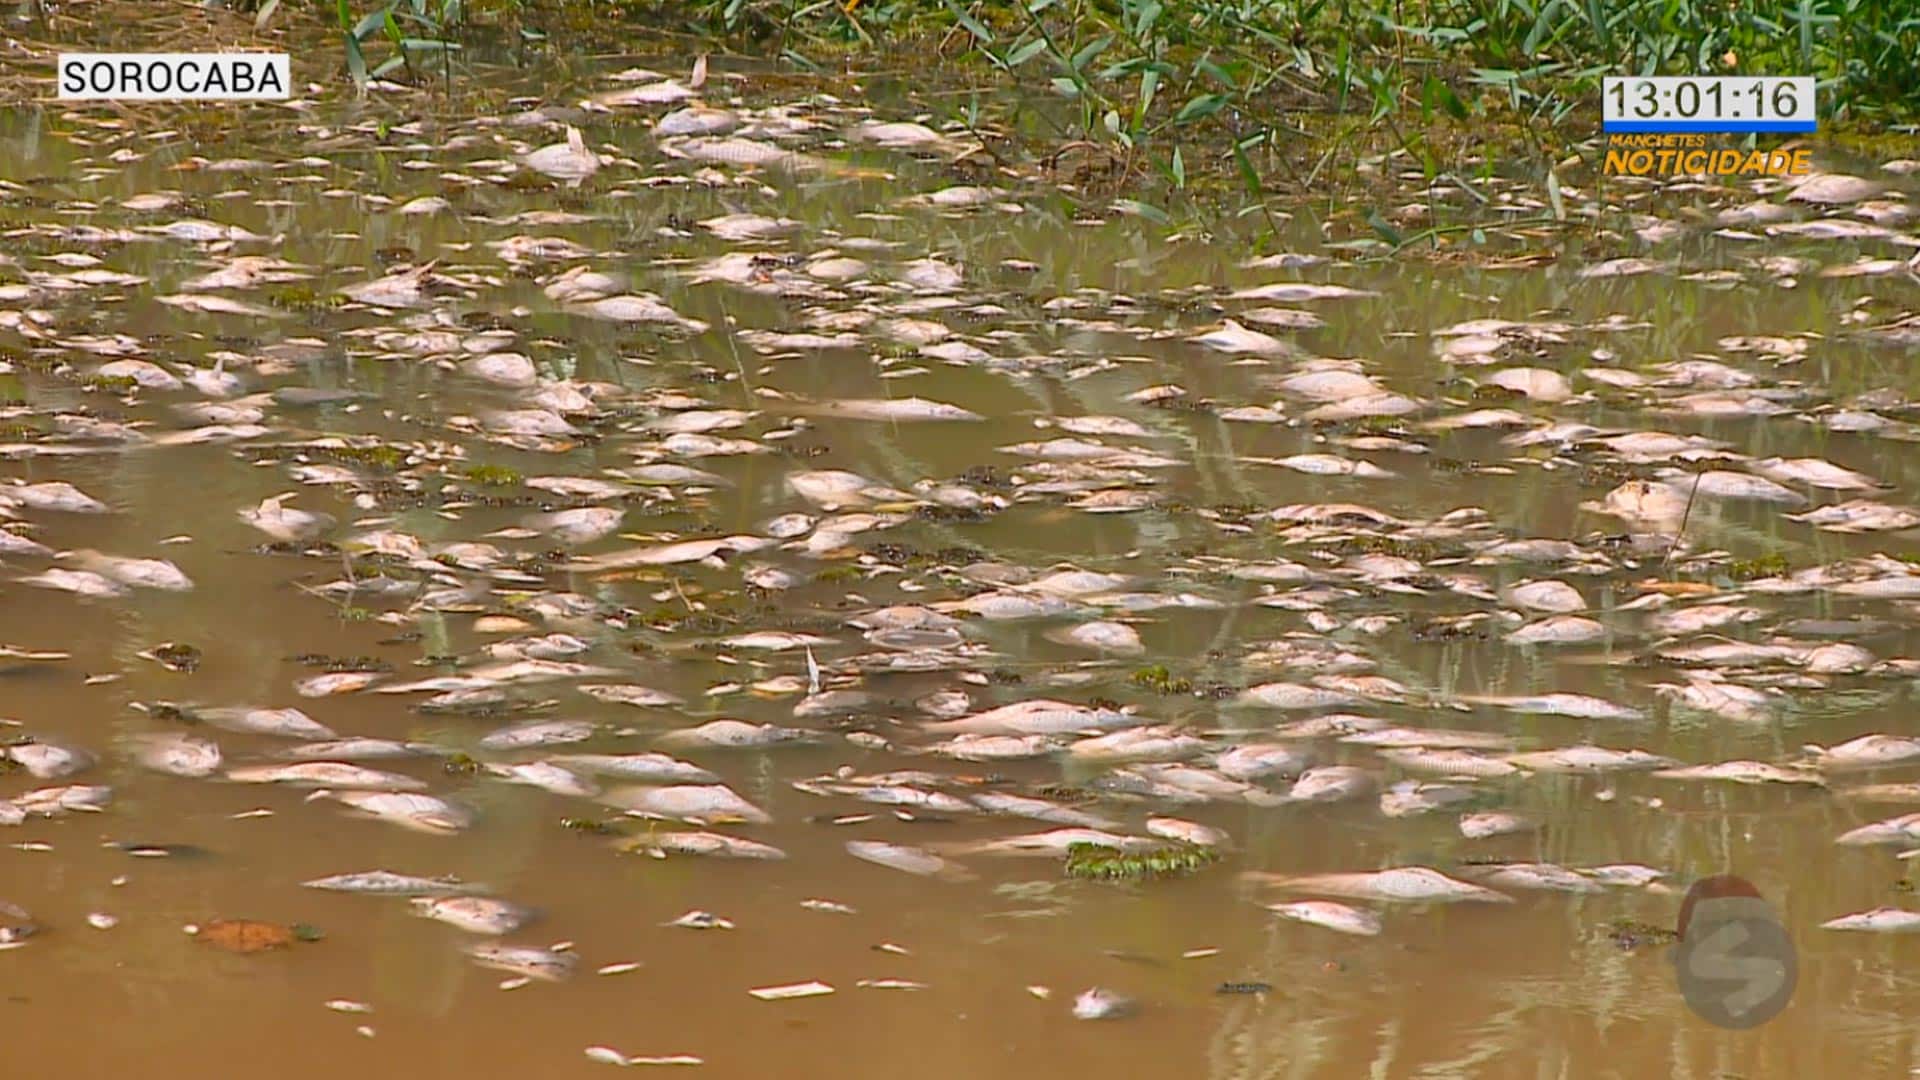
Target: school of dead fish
[{"x": 894, "y": 666}]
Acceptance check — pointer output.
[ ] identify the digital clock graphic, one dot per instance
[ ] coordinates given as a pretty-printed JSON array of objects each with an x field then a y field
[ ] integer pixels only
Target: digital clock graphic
[{"x": 1719, "y": 104}]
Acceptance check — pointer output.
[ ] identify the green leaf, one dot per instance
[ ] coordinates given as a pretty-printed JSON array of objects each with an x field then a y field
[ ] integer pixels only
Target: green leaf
[
  {"x": 1201, "y": 107},
  {"x": 1144, "y": 22},
  {"x": 1026, "y": 52},
  {"x": 1179, "y": 170},
  {"x": 970, "y": 24},
  {"x": 1149, "y": 83},
  {"x": 1089, "y": 51},
  {"x": 429, "y": 45},
  {"x": 346, "y": 16},
  {"x": 374, "y": 20},
  {"x": 1140, "y": 209},
  {"x": 1385, "y": 228},
  {"x": 389, "y": 64},
  {"x": 1249, "y": 177},
  {"x": 356, "y": 61},
  {"x": 393, "y": 29},
  {"x": 1066, "y": 87},
  {"x": 266, "y": 12}
]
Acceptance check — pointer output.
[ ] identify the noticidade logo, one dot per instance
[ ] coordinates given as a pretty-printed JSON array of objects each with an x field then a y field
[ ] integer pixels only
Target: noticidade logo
[
  {"x": 1736, "y": 964},
  {"x": 1692, "y": 155}
]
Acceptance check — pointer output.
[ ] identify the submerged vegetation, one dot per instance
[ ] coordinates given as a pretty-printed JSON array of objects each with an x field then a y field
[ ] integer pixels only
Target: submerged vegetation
[
  {"x": 1097, "y": 862},
  {"x": 1139, "y": 97}
]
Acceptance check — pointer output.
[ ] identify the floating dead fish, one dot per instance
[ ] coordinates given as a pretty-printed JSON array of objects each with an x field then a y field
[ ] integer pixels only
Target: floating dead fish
[
  {"x": 549, "y": 965},
  {"x": 1743, "y": 772},
  {"x": 1880, "y": 920},
  {"x": 1405, "y": 884},
  {"x": 1331, "y": 916},
  {"x": 912, "y": 860},
  {"x": 420, "y": 813},
  {"x": 181, "y": 755},
  {"x": 1102, "y": 1004},
  {"x": 474, "y": 914},
  {"x": 388, "y": 883},
  {"x": 653, "y": 768},
  {"x": 696, "y": 803},
  {"x": 539, "y": 733},
  {"x": 48, "y": 761},
  {"x": 325, "y": 774},
  {"x": 791, "y": 990},
  {"x": 711, "y": 845}
]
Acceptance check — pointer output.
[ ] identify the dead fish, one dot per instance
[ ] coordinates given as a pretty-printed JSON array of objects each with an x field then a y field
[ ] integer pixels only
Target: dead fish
[
  {"x": 1411, "y": 798},
  {"x": 697, "y": 803},
  {"x": 733, "y": 733},
  {"x": 139, "y": 573},
  {"x": 1102, "y": 1004},
  {"x": 1556, "y": 597},
  {"x": 546, "y": 776},
  {"x": 1138, "y": 744},
  {"x": 388, "y": 883},
  {"x": 1036, "y": 717},
  {"x": 1187, "y": 832},
  {"x": 895, "y": 410},
  {"x": 286, "y": 723},
  {"x": 474, "y": 914},
  {"x": 652, "y": 768},
  {"x": 628, "y": 694},
  {"x": 421, "y": 813},
  {"x": 549, "y": 965},
  {"x": 325, "y": 774},
  {"x": 700, "y": 920},
  {"x": 912, "y": 860},
  {"x": 1259, "y": 761},
  {"x": 1559, "y": 630},
  {"x": 1577, "y": 706},
  {"x": 570, "y": 161},
  {"x": 1404, "y": 884},
  {"x": 359, "y": 749},
  {"x": 78, "y": 582},
  {"x": 1534, "y": 877},
  {"x": 284, "y": 524},
  {"x": 53, "y": 495},
  {"x": 180, "y": 755},
  {"x": 1040, "y": 810},
  {"x": 579, "y": 526},
  {"x": 48, "y": 761},
  {"x": 1285, "y": 695},
  {"x": 539, "y": 733},
  {"x": 711, "y": 845},
  {"x": 1452, "y": 763},
  {"x": 1493, "y": 823},
  {"x": 1880, "y": 920},
  {"x": 334, "y": 683},
  {"x": 1815, "y": 472},
  {"x": 1104, "y": 637},
  {"x": 1590, "y": 759},
  {"x": 55, "y": 801},
  {"x": 1901, "y": 831},
  {"x": 1866, "y": 752},
  {"x": 1333, "y": 783},
  {"x": 1331, "y": 916},
  {"x": 1743, "y": 772},
  {"x": 1055, "y": 842}
]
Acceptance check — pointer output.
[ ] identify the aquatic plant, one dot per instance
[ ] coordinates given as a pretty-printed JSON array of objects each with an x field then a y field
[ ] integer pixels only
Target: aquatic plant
[{"x": 1098, "y": 862}]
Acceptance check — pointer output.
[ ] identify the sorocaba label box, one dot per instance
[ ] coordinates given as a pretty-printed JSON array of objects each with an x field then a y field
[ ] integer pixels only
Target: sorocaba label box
[{"x": 234, "y": 76}]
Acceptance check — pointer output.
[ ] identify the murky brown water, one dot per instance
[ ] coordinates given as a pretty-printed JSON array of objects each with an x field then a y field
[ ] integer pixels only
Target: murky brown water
[{"x": 1073, "y": 318}]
